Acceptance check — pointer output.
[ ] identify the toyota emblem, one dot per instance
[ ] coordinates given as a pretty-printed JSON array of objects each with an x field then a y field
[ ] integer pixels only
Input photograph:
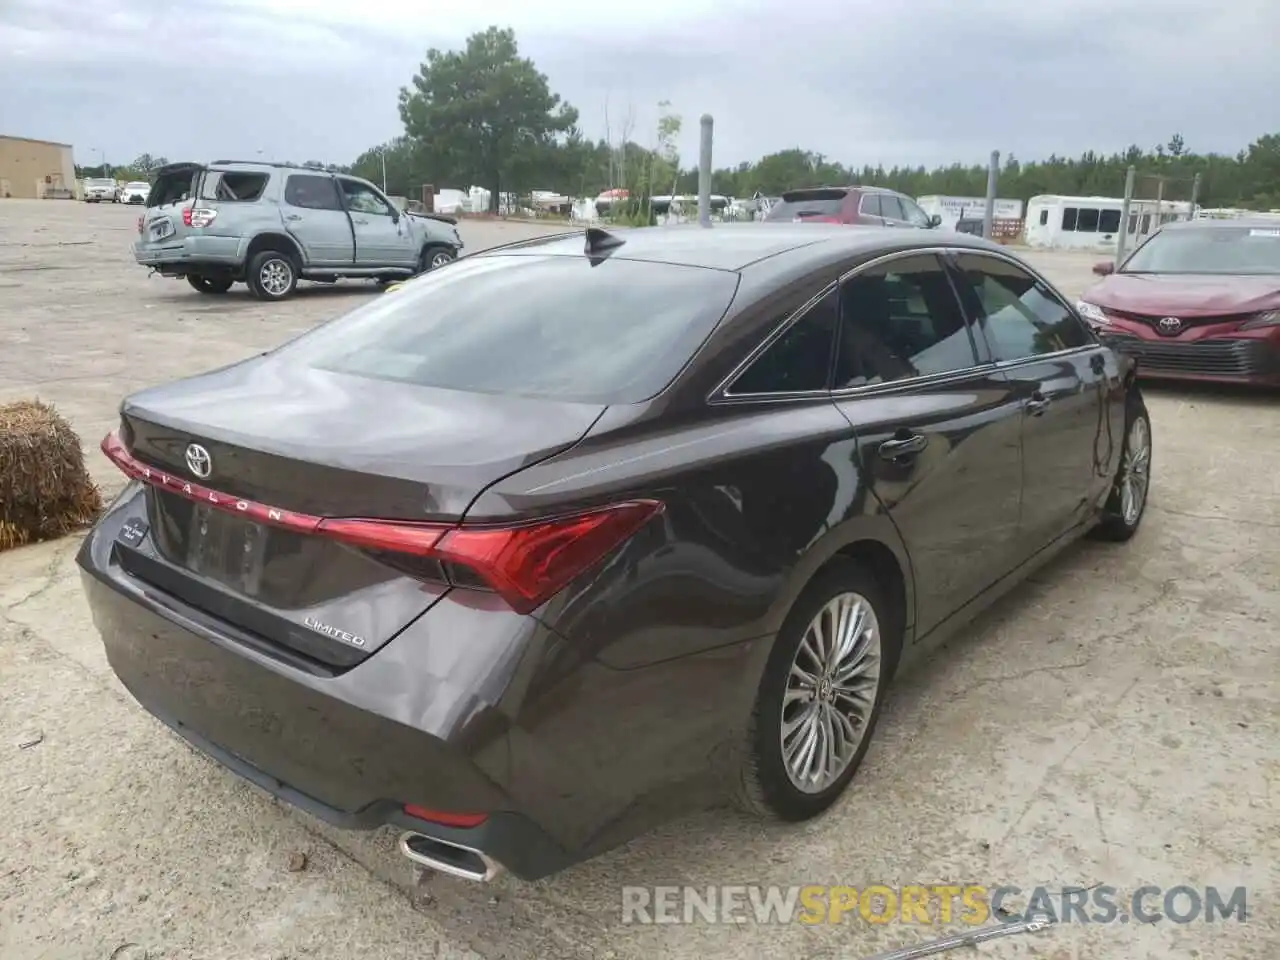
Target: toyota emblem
[
  {"x": 1169, "y": 325},
  {"x": 198, "y": 460}
]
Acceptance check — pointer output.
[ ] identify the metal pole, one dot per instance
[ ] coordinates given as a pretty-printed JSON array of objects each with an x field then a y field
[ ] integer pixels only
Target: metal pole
[
  {"x": 1129, "y": 177},
  {"x": 993, "y": 180},
  {"x": 383, "y": 151},
  {"x": 1195, "y": 195},
  {"x": 1159, "y": 202},
  {"x": 704, "y": 172}
]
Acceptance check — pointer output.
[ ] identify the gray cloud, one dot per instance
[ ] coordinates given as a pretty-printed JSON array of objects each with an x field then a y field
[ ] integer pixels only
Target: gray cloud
[{"x": 930, "y": 82}]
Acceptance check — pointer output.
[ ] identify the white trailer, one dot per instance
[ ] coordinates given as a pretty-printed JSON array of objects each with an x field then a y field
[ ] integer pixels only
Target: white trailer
[
  {"x": 1093, "y": 223},
  {"x": 954, "y": 209}
]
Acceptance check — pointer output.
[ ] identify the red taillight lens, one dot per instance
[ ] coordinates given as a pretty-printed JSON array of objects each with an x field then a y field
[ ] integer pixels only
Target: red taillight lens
[
  {"x": 198, "y": 216},
  {"x": 526, "y": 564},
  {"x": 446, "y": 819}
]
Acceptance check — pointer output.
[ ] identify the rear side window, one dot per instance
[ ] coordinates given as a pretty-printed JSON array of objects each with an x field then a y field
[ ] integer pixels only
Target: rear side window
[
  {"x": 898, "y": 321},
  {"x": 801, "y": 204},
  {"x": 539, "y": 326},
  {"x": 232, "y": 186},
  {"x": 891, "y": 207},
  {"x": 311, "y": 192},
  {"x": 870, "y": 205},
  {"x": 798, "y": 361}
]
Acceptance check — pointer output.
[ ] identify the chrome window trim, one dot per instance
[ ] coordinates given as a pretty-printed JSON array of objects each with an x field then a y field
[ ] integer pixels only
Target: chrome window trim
[{"x": 720, "y": 393}]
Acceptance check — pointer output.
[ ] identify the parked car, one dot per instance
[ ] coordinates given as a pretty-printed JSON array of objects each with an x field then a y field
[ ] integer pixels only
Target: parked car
[
  {"x": 541, "y": 547},
  {"x": 1198, "y": 300},
  {"x": 268, "y": 225},
  {"x": 869, "y": 205},
  {"x": 135, "y": 191},
  {"x": 101, "y": 189}
]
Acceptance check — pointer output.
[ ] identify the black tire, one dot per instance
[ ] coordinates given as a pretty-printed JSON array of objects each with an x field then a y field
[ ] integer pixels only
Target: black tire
[
  {"x": 434, "y": 257},
  {"x": 1114, "y": 526},
  {"x": 209, "y": 284},
  {"x": 272, "y": 275},
  {"x": 765, "y": 788}
]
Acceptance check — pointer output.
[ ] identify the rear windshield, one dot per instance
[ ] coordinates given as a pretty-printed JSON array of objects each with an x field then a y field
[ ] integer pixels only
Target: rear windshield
[
  {"x": 101, "y": 182},
  {"x": 808, "y": 203},
  {"x": 172, "y": 187},
  {"x": 530, "y": 325}
]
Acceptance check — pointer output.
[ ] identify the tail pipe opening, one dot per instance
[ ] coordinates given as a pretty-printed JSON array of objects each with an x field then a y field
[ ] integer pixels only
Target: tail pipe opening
[{"x": 451, "y": 858}]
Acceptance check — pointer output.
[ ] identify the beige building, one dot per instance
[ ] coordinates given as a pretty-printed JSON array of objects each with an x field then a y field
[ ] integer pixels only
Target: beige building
[{"x": 29, "y": 168}]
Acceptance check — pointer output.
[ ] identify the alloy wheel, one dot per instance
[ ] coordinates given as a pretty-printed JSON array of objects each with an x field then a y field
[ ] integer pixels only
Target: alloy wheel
[
  {"x": 831, "y": 692},
  {"x": 276, "y": 276},
  {"x": 1135, "y": 476}
]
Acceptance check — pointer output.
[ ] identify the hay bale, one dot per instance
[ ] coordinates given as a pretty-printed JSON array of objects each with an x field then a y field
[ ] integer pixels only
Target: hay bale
[{"x": 45, "y": 490}]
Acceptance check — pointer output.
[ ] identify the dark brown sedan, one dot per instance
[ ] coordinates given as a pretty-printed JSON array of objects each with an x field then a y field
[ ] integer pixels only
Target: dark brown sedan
[{"x": 571, "y": 535}]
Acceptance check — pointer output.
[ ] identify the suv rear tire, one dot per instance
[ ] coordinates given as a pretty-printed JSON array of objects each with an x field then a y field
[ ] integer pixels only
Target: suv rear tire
[
  {"x": 272, "y": 275},
  {"x": 209, "y": 284}
]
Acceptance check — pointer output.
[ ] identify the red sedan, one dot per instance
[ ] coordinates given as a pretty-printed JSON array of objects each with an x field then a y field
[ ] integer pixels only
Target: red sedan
[{"x": 1200, "y": 300}]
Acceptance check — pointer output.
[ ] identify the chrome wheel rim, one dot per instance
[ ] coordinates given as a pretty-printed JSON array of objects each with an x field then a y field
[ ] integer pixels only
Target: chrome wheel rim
[
  {"x": 1135, "y": 477},
  {"x": 276, "y": 277},
  {"x": 440, "y": 259},
  {"x": 831, "y": 692}
]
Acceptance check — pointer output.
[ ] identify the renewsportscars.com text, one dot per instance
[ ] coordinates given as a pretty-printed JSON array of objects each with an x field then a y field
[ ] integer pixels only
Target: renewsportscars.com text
[{"x": 970, "y": 904}]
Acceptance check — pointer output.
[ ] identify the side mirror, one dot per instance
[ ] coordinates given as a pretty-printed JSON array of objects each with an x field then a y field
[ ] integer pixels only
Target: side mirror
[
  {"x": 935, "y": 221},
  {"x": 1104, "y": 268}
]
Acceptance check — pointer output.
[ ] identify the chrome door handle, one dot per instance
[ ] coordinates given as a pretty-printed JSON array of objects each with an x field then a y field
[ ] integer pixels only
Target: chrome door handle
[
  {"x": 293, "y": 216},
  {"x": 1037, "y": 405},
  {"x": 903, "y": 447},
  {"x": 360, "y": 220}
]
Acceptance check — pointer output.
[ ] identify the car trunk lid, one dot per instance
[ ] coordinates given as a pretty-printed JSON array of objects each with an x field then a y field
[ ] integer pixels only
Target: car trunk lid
[
  {"x": 243, "y": 464},
  {"x": 173, "y": 190}
]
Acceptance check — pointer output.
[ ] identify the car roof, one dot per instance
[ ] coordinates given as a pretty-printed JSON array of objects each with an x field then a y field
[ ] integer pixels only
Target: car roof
[
  {"x": 739, "y": 246},
  {"x": 1213, "y": 223}
]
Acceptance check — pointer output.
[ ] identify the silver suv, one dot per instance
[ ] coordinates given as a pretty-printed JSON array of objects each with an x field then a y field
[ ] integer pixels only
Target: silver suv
[{"x": 269, "y": 225}]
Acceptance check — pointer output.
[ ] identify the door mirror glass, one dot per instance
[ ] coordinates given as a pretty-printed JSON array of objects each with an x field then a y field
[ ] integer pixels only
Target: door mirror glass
[{"x": 1104, "y": 268}]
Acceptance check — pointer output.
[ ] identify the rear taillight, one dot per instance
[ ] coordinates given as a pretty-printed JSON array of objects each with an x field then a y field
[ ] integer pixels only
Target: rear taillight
[
  {"x": 526, "y": 564},
  {"x": 198, "y": 216}
]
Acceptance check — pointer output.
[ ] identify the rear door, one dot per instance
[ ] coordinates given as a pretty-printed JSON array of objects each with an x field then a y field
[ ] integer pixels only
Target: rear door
[
  {"x": 161, "y": 229},
  {"x": 938, "y": 428},
  {"x": 892, "y": 210},
  {"x": 1059, "y": 373},
  {"x": 313, "y": 214},
  {"x": 869, "y": 209},
  {"x": 383, "y": 236}
]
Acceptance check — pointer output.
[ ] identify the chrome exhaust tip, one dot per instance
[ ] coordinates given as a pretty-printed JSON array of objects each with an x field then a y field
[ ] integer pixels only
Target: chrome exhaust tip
[{"x": 452, "y": 858}]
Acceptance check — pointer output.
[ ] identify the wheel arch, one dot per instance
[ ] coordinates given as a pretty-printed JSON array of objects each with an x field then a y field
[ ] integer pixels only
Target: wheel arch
[
  {"x": 273, "y": 240},
  {"x": 873, "y": 543}
]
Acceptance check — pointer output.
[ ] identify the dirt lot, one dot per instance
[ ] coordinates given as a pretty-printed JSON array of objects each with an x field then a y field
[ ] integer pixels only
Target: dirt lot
[{"x": 1113, "y": 722}]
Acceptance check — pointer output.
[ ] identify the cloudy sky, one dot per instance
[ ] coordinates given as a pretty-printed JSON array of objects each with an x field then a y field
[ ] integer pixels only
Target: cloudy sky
[{"x": 920, "y": 81}]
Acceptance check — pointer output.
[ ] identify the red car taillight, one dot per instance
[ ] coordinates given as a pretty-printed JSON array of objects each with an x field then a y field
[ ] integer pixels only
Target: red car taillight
[
  {"x": 525, "y": 563},
  {"x": 464, "y": 820},
  {"x": 198, "y": 216}
]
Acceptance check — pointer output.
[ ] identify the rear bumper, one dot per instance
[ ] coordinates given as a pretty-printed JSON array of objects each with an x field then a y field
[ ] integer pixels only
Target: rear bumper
[
  {"x": 179, "y": 257},
  {"x": 351, "y": 750},
  {"x": 1218, "y": 360}
]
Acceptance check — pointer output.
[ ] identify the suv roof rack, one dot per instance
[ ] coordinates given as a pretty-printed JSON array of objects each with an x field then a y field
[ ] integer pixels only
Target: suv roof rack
[{"x": 267, "y": 163}]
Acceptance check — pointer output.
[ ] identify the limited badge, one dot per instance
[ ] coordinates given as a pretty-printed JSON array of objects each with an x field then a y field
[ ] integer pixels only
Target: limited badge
[{"x": 132, "y": 532}]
